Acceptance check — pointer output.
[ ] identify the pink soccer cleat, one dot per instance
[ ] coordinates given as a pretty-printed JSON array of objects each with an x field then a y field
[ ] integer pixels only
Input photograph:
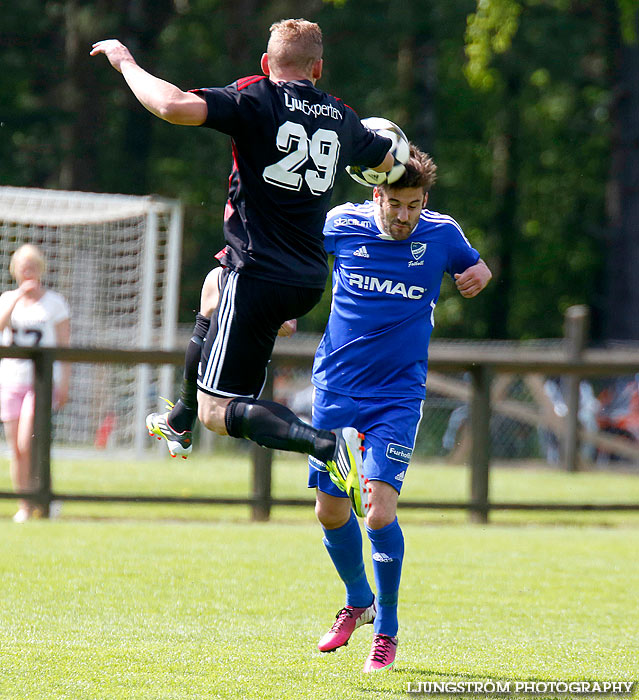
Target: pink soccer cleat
[
  {"x": 347, "y": 620},
  {"x": 382, "y": 654}
]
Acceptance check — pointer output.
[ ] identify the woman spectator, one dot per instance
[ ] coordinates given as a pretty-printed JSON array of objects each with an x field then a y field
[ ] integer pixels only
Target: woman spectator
[{"x": 29, "y": 315}]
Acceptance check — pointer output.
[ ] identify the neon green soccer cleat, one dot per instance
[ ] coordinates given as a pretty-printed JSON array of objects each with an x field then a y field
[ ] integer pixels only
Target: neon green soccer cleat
[
  {"x": 178, "y": 443},
  {"x": 346, "y": 469}
]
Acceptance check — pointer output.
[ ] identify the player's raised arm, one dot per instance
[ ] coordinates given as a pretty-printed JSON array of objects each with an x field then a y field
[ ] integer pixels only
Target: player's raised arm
[
  {"x": 161, "y": 98},
  {"x": 473, "y": 279}
]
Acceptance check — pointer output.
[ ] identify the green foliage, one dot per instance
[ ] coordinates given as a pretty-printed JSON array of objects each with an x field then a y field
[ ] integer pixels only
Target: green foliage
[
  {"x": 490, "y": 31},
  {"x": 511, "y": 97},
  {"x": 629, "y": 17},
  {"x": 543, "y": 69}
]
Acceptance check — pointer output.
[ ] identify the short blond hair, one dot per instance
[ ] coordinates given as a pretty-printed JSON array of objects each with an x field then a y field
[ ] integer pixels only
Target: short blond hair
[
  {"x": 294, "y": 43},
  {"x": 27, "y": 251}
]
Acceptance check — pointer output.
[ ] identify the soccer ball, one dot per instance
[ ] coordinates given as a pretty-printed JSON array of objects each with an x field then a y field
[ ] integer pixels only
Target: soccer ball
[{"x": 400, "y": 150}]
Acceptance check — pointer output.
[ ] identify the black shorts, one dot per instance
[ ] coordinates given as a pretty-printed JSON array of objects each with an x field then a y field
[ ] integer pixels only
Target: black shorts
[{"x": 240, "y": 341}]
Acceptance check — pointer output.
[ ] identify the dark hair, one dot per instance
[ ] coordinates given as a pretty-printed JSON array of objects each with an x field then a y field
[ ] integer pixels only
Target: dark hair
[{"x": 421, "y": 171}]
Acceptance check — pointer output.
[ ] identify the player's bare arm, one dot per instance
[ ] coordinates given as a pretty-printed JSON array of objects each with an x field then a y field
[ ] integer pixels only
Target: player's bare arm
[
  {"x": 161, "y": 98},
  {"x": 473, "y": 279}
]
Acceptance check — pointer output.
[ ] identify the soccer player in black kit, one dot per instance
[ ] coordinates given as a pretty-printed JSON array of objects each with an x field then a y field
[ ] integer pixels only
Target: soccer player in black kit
[{"x": 289, "y": 140}]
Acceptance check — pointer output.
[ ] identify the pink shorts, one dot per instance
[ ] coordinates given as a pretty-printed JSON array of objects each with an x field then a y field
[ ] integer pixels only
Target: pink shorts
[{"x": 13, "y": 399}]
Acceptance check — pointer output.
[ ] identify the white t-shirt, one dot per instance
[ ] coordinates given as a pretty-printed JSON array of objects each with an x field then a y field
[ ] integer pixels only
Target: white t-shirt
[{"x": 32, "y": 324}]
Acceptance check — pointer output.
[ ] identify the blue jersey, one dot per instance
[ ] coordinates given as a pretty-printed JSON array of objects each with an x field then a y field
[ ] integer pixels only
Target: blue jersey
[{"x": 384, "y": 296}]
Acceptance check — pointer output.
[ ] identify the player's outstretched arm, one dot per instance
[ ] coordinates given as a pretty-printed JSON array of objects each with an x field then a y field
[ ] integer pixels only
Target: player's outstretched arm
[
  {"x": 473, "y": 279},
  {"x": 161, "y": 98}
]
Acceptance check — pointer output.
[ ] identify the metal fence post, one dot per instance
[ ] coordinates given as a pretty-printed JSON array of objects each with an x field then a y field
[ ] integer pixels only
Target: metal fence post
[
  {"x": 576, "y": 323},
  {"x": 480, "y": 451},
  {"x": 40, "y": 476},
  {"x": 263, "y": 466}
]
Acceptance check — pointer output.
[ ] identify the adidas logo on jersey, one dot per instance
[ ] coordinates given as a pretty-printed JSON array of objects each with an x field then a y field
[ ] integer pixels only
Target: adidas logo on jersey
[{"x": 362, "y": 252}]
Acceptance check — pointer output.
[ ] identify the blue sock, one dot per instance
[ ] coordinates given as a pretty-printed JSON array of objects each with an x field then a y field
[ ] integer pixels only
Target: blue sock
[
  {"x": 344, "y": 546},
  {"x": 388, "y": 555}
]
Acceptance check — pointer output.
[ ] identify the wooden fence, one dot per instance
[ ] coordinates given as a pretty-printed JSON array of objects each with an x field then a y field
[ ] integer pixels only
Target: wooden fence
[{"x": 480, "y": 362}]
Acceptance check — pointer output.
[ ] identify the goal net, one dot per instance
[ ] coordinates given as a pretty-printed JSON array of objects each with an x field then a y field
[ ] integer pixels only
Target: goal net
[{"x": 116, "y": 260}]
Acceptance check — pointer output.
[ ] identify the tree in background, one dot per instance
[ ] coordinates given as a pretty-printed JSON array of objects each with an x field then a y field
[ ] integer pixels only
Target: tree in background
[
  {"x": 522, "y": 127},
  {"x": 621, "y": 310},
  {"x": 56, "y": 103},
  {"x": 582, "y": 59}
]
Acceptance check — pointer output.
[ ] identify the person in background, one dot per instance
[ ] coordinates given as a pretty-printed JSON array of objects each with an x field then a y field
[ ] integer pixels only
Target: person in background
[{"x": 29, "y": 315}]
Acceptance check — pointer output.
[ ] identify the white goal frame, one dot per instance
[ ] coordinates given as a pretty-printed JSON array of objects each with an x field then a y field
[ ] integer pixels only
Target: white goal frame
[{"x": 116, "y": 259}]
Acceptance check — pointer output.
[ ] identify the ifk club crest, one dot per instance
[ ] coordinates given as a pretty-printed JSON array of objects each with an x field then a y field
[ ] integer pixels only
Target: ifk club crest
[{"x": 417, "y": 250}]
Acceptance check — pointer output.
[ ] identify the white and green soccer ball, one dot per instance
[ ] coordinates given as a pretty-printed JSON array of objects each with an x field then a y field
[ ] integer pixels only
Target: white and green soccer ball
[{"x": 400, "y": 151}]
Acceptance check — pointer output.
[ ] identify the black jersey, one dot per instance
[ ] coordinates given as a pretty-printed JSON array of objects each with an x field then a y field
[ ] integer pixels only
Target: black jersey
[{"x": 289, "y": 141}]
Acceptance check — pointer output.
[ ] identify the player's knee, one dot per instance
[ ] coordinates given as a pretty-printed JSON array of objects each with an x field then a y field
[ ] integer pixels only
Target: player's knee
[
  {"x": 211, "y": 414},
  {"x": 379, "y": 518},
  {"x": 383, "y": 508},
  {"x": 210, "y": 421},
  {"x": 332, "y": 513},
  {"x": 381, "y": 514}
]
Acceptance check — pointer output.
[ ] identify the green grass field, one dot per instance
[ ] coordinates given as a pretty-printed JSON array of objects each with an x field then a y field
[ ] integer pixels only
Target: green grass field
[{"x": 156, "y": 601}]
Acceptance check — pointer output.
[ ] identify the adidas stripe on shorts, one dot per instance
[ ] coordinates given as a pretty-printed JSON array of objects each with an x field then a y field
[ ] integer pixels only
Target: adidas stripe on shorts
[{"x": 240, "y": 340}]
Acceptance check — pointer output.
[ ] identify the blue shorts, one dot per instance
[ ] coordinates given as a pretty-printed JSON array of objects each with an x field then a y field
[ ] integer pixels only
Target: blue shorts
[{"x": 390, "y": 426}]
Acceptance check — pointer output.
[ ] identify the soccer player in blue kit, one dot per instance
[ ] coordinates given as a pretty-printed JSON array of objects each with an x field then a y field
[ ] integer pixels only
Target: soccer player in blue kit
[
  {"x": 370, "y": 372},
  {"x": 289, "y": 140}
]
